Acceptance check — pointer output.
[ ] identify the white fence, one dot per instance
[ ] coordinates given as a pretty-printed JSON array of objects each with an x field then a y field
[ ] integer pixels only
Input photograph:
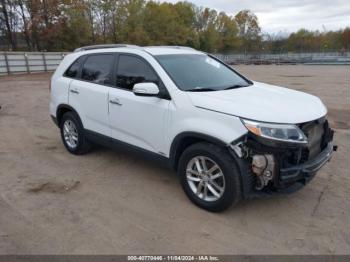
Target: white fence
[
  {"x": 287, "y": 58},
  {"x": 29, "y": 62}
]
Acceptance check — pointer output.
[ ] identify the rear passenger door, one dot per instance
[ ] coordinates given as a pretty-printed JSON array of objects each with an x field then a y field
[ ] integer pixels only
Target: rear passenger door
[
  {"x": 137, "y": 120},
  {"x": 88, "y": 94}
]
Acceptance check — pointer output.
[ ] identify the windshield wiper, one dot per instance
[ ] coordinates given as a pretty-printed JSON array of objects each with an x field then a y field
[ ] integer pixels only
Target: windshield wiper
[
  {"x": 235, "y": 86},
  {"x": 201, "y": 89}
]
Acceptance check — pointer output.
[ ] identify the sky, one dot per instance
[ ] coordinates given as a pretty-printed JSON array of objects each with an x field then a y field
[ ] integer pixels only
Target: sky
[{"x": 286, "y": 16}]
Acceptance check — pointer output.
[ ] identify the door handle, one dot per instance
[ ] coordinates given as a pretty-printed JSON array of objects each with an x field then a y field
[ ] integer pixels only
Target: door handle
[
  {"x": 115, "y": 101},
  {"x": 74, "y": 91}
]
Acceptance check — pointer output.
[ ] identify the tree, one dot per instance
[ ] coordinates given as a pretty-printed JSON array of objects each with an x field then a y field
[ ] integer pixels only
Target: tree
[
  {"x": 50, "y": 22},
  {"x": 105, "y": 15},
  {"x": 207, "y": 24},
  {"x": 187, "y": 17},
  {"x": 301, "y": 40},
  {"x": 90, "y": 7},
  {"x": 73, "y": 27},
  {"x": 33, "y": 8},
  {"x": 22, "y": 12},
  {"x": 249, "y": 29},
  {"x": 8, "y": 18},
  {"x": 345, "y": 38},
  {"x": 228, "y": 30},
  {"x": 66, "y": 24},
  {"x": 129, "y": 22},
  {"x": 163, "y": 24}
]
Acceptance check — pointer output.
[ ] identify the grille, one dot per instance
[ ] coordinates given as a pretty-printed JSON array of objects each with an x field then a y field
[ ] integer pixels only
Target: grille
[{"x": 315, "y": 132}]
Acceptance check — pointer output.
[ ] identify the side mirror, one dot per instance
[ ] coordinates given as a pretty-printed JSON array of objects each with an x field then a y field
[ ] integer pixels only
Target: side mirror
[{"x": 146, "y": 89}]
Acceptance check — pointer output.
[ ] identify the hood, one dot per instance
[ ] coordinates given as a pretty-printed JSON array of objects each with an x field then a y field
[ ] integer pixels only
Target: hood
[{"x": 262, "y": 102}]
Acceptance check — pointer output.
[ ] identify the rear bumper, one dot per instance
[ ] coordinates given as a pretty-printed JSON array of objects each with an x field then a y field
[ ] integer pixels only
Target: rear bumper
[{"x": 304, "y": 170}]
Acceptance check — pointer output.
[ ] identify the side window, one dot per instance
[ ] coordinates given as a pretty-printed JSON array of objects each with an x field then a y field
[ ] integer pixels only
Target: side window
[
  {"x": 73, "y": 70},
  {"x": 133, "y": 70},
  {"x": 97, "y": 69}
]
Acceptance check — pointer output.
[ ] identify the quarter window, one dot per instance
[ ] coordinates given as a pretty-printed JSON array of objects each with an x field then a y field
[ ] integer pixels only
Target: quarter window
[
  {"x": 97, "y": 69},
  {"x": 133, "y": 70},
  {"x": 73, "y": 70}
]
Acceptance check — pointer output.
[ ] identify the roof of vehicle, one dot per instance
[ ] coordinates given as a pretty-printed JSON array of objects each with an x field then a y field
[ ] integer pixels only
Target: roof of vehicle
[
  {"x": 153, "y": 50},
  {"x": 169, "y": 50}
]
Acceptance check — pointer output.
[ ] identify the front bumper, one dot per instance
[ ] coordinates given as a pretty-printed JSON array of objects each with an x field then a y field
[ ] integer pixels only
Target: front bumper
[
  {"x": 292, "y": 166},
  {"x": 301, "y": 171}
]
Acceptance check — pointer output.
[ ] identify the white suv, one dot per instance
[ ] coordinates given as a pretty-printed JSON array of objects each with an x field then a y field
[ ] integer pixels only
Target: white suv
[{"x": 228, "y": 138}]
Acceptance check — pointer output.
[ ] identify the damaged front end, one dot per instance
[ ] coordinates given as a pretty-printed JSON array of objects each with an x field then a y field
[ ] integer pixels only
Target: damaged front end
[{"x": 275, "y": 166}]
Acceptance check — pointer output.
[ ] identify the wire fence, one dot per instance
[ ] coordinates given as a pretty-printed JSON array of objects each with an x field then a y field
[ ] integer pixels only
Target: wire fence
[{"x": 31, "y": 62}]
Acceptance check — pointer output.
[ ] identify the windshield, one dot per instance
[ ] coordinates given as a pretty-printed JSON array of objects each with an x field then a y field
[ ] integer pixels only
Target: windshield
[{"x": 200, "y": 72}]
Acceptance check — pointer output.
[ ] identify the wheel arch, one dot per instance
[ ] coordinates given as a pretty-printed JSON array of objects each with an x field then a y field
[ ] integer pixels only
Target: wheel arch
[
  {"x": 186, "y": 139},
  {"x": 62, "y": 109}
]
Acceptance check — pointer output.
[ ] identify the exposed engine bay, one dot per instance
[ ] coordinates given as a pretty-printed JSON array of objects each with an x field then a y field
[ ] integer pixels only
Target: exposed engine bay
[
  {"x": 276, "y": 165},
  {"x": 263, "y": 166}
]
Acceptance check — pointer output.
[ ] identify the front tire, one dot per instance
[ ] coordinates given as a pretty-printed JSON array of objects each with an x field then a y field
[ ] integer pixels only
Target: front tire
[
  {"x": 209, "y": 177},
  {"x": 72, "y": 134}
]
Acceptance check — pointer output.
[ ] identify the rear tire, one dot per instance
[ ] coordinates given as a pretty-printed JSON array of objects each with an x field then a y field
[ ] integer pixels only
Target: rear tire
[
  {"x": 214, "y": 188},
  {"x": 72, "y": 134}
]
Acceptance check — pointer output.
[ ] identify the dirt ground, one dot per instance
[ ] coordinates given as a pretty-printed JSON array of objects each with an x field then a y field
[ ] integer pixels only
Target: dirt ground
[{"x": 110, "y": 202}]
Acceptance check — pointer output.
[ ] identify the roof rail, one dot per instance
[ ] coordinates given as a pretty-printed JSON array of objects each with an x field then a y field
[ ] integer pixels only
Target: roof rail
[
  {"x": 92, "y": 47},
  {"x": 171, "y": 46}
]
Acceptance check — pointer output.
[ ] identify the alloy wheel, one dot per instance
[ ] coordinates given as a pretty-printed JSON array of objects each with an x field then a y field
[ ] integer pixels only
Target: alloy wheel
[
  {"x": 205, "y": 178},
  {"x": 70, "y": 134}
]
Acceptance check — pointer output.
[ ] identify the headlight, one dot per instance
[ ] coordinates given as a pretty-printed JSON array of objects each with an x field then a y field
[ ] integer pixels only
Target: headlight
[{"x": 280, "y": 132}]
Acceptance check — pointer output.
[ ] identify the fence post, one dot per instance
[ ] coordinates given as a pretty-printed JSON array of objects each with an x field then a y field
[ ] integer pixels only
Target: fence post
[
  {"x": 7, "y": 63},
  {"x": 44, "y": 61},
  {"x": 27, "y": 64}
]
